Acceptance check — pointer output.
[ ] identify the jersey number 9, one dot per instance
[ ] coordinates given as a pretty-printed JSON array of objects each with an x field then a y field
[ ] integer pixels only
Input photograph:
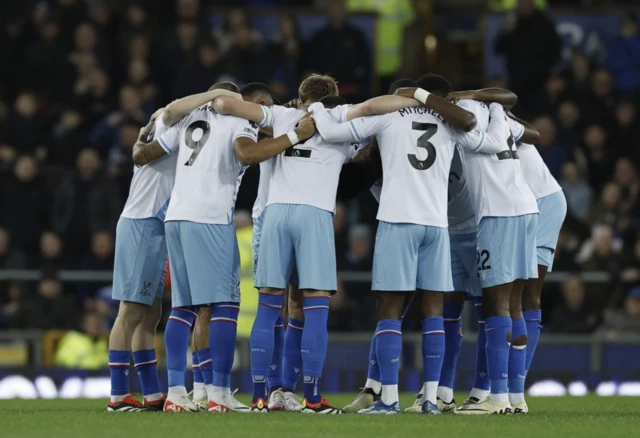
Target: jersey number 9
[
  {"x": 423, "y": 142},
  {"x": 196, "y": 145}
]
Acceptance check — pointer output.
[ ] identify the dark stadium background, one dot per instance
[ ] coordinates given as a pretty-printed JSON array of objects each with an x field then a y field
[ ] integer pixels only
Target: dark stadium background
[{"x": 78, "y": 78}]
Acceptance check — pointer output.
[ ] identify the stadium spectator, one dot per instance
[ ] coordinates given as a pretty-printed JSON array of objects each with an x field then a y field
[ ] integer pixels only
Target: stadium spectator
[
  {"x": 623, "y": 55},
  {"x": 24, "y": 203},
  {"x": 51, "y": 309},
  {"x": 553, "y": 153},
  {"x": 25, "y": 129},
  {"x": 606, "y": 209},
  {"x": 100, "y": 258},
  {"x": 10, "y": 258},
  {"x": 69, "y": 133},
  {"x": 239, "y": 61},
  {"x": 11, "y": 305},
  {"x": 226, "y": 34},
  {"x": 284, "y": 52},
  {"x": 198, "y": 76},
  {"x": 573, "y": 315},
  {"x": 626, "y": 320},
  {"x": 626, "y": 133},
  {"x": 599, "y": 156},
  {"x": 84, "y": 349},
  {"x": 105, "y": 134},
  {"x": 340, "y": 50},
  {"x": 51, "y": 257},
  {"x": 578, "y": 74},
  {"x": 42, "y": 69},
  {"x": 85, "y": 201},
  {"x": 529, "y": 35},
  {"x": 569, "y": 123},
  {"x": 576, "y": 190}
]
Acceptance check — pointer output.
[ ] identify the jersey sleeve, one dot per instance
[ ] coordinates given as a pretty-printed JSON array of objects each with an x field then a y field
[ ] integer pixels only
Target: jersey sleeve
[
  {"x": 159, "y": 128},
  {"x": 170, "y": 139},
  {"x": 279, "y": 114},
  {"x": 369, "y": 126},
  {"x": 472, "y": 140},
  {"x": 245, "y": 128},
  {"x": 516, "y": 128}
]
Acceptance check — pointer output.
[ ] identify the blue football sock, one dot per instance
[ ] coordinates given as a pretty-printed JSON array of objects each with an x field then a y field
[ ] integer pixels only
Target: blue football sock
[
  {"x": 176, "y": 338},
  {"x": 452, "y": 341},
  {"x": 292, "y": 361},
  {"x": 206, "y": 365},
  {"x": 388, "y": 349},
  {"x": 314, "y": 344},
  {"x": 433, "y": 344},
  {"x": 147, "y": 369},
  {"x": 119, "y": 361},
  {"x": 482, "y": 373},
  {"x": 261, "y": 341},
  {"x": 222, "y": 341},
  {"x": 373, "y": 373},
  {"x": 275, "y": 369},
  {"x": 517, "y": 355},
  {"x": 533, "y": 318},
  {"x": 197, "y": 374},
  {"x": 497, "y": 329}
]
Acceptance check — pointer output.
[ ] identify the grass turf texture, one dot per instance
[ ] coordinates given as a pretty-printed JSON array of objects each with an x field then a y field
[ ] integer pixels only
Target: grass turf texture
[{"x": 565, "y": 417}]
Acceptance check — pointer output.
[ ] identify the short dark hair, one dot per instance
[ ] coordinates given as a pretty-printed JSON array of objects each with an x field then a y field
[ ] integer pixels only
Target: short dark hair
[
  {"x": 436, "y": 84},
  {"x": 402, "y": 83},
  {"x": 230, "y": 86},
  {"x": 254, "y": 88},
  {"x": 332, "y": 101}
]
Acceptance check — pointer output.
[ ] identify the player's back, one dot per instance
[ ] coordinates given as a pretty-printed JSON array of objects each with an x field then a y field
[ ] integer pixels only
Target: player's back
[
  {"x": 416, "y": 148},
  {"x": 461, "y": 216},
  {"x": 208, "y": 173},
  {"x": 536, "y": 172},
  {"x": 495, "y": 182},
  {"x": 151, "y": 184},
  {"x": 308, "y": 172}
]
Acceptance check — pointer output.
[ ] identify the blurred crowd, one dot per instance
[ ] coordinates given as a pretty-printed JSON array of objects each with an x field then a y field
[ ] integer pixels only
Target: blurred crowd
[{"x": 85, "y": 75}]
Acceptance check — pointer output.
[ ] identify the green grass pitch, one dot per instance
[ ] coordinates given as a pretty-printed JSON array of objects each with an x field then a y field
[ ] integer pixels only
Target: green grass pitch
[{"x": 565, "y": 417}]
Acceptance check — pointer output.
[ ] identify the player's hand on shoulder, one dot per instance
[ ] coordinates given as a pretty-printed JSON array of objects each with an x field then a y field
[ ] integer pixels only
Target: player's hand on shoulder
[
  {"x": 306, "y": 128},
  {"x": 496, "y": 108},
  {"x": 455, "y": 96},
  {"x": 293, "y": 103}
]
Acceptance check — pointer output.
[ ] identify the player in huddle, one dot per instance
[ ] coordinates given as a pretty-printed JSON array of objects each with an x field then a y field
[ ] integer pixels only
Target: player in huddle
[
  {"x": 412, "y": 236},
  {"x": 213, "y": 151}
]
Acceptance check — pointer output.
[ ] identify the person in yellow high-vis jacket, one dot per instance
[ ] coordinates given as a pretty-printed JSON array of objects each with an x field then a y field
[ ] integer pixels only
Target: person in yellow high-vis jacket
[
  {"x": 249, "y": 296},
  {"x": 87, "y": 349},
  {"x": 393, "y": 17}
]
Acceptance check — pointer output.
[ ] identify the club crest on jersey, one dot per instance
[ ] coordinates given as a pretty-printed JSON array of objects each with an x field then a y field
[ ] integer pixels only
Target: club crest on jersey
[{"x": 145, "y": 289}]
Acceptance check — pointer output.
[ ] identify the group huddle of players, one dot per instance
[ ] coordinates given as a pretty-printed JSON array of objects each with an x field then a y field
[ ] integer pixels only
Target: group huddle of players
[{"x": 468, "y": 211}]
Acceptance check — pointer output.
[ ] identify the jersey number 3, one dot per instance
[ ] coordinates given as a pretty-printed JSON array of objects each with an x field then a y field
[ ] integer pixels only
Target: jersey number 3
[
  {"x": 430, "y": 130},
  {"x": 196, "y": 145}
]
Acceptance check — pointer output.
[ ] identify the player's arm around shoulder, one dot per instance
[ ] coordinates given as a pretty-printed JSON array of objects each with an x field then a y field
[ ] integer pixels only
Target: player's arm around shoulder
[
  {"x": 246, "y": 110},
  {"x": 145, "y": 151},
  {"x": 452, "y": 114},
  {"x": 249, "y": 152},
  {"x": 380, "y": 105}
]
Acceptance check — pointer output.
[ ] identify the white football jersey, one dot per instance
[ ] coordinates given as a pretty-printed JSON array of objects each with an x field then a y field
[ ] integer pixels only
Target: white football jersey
[
  {"x": 416, "y": 147},
  {"x": 263, "y": 188},
  {"x": 151, "y": 185},
  {"x": 462, "y": 217},
  {"x": 308, "y": 172},
  {"x": 536, "y": 173},
  {"x": 208, "y": 173},
  {"x": 495, "y": 182}
]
